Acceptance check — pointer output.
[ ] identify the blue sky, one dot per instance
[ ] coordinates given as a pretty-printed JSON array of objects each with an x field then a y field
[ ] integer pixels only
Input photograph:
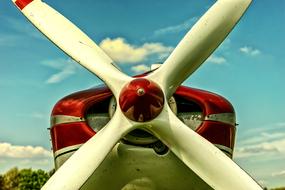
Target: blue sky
[{"x": 248, "y": 69}]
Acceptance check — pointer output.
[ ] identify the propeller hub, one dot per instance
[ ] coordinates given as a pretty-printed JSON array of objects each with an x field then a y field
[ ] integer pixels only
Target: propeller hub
[
  {"x": 141, "y": 100},
  {"x": 140, "y": 92}
]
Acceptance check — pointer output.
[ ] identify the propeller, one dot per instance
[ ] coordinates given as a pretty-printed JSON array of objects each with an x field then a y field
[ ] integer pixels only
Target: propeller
[
  {"x": 142, "y": 100},
  {"x": 198, "y": 44},
  {"x": 73, "y": 42}
]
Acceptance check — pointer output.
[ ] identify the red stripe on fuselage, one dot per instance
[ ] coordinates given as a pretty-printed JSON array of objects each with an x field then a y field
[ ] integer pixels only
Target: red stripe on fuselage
[
  {"x": 69, "y": 134},
  {"x": 22, "y": 3}
]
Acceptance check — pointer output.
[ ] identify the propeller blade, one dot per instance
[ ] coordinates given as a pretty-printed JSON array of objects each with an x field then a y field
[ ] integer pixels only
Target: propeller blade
[
  {"x": 81, "y": 165},
  {"x": 207, "y": 161},
  {"x": 198, "y": 44},
  {"x": 72, "y": 41}
]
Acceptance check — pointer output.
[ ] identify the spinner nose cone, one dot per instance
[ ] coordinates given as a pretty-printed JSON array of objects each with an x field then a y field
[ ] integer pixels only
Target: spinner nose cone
[{"x": 141, "y": 100}]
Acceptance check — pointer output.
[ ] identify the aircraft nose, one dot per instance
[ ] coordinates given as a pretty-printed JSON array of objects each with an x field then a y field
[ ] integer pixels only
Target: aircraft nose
[{"x": 141, "y": 100}]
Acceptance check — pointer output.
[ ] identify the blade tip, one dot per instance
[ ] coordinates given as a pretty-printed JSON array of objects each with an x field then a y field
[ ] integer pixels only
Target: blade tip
[
  {"x": 21, "y": 4},
  {"x": 246, "y": 2}
]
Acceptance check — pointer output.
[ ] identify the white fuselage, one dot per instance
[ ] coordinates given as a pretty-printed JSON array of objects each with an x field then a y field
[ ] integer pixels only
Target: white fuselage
[{"x": 129, "y": 167}]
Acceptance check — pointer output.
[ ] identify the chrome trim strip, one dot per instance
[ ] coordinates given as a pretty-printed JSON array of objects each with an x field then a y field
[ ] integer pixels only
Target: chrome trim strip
[
  {"x": 67, "y": 149},
  {"x": 224, "y": 148},
  {"x": 60, "y": 119},
  {"x": 228, "y": 118}
]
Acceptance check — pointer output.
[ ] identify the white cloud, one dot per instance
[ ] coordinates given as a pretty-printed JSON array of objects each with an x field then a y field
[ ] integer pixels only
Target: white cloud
[
  {"x": 280, "y": 173},
  {"x": 38, "y": 115},
  {"x": 123, "y": 52},
  {"x": 65, "y": 68},
  {"x": 20, "y": 32},
  {"x": 35, "y": 115},
  {"x": 140, "y": 68},
  {"x": 264, "y": 143},
  {"x": 262, "y": 137},
  {"x": 9, "y": 40},
  {"x": 38, "y": 162},
  {"x": 35, "y": 157},
  {"x": 21, "y": 26},
  {"x": 186, "y": 25},
  {"x": 44, "y": 163},
  {"x": 58, "y": 77},
  {"x": 281, "y": 124},
  {"x": 271, "y": 128},
  {"x": 216, "y": 59},
  {"x": 16, "y": 151},
  {"x": 270, "y": 136},
  {"x": 249, "y": 50},
  {"x": 260, "y": 149},
  {"x": 254, "y": 150}
]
